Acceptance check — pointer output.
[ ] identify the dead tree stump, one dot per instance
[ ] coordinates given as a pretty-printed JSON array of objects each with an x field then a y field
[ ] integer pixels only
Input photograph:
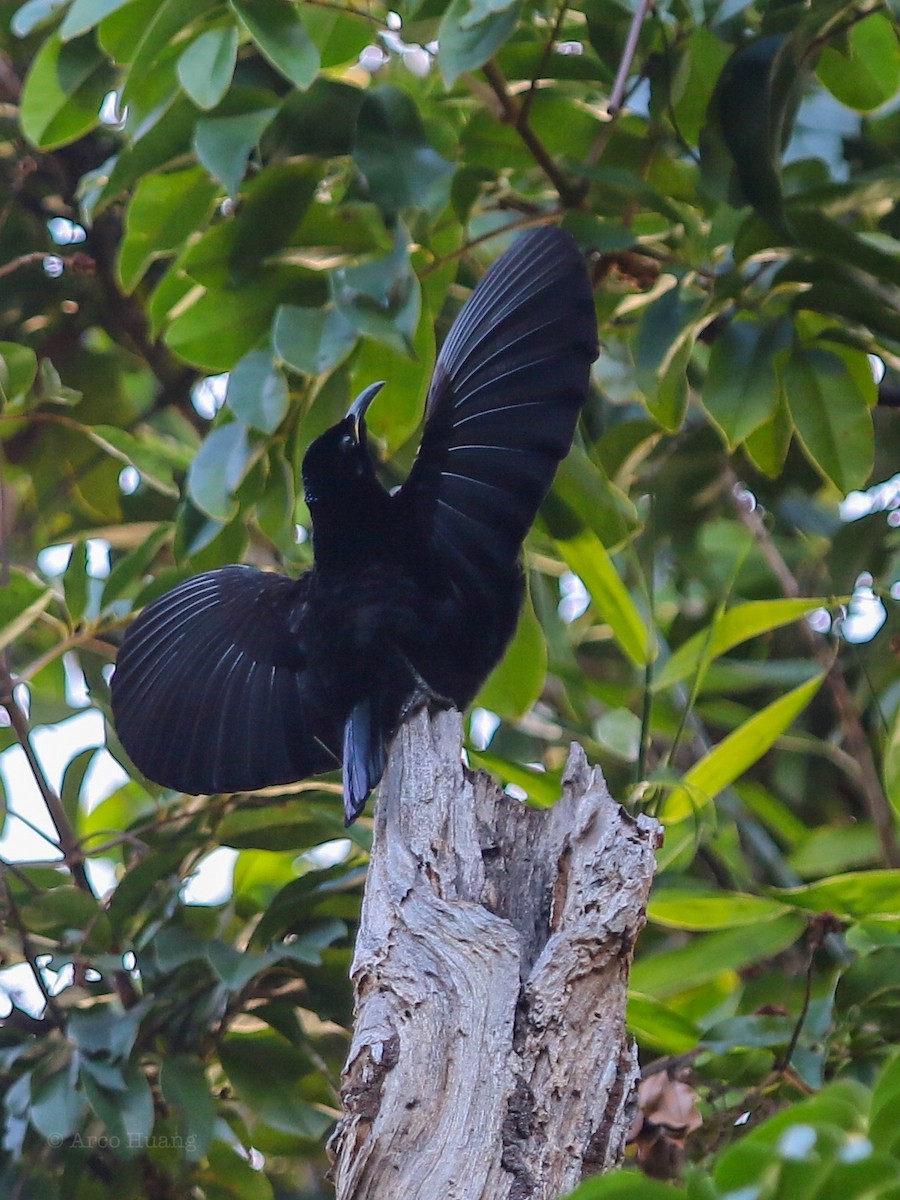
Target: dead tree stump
[{"x": 489, "y": 1058}]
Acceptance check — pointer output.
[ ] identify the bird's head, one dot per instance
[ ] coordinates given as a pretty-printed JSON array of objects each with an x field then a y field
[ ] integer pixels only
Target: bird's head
[{"x": 339, "y": 457}]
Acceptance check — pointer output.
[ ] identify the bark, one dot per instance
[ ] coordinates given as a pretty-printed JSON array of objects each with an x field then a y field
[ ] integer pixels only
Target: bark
[{"x": 489, "y": 1058}]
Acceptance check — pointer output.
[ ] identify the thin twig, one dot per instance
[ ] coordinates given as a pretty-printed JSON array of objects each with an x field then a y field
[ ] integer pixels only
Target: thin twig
[
  {"x": 68, "y": 842},
  {"x": 631, "y": 42},
  {"x": 570, "y": 193},
  {"x": 28, "y": 950},
  {"x": 25, "y": 260},
  {"x": 545, "y": 58}
]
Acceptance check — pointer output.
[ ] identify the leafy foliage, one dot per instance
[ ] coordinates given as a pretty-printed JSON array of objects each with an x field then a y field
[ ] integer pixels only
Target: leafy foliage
[{"x": 300, "y": 195}]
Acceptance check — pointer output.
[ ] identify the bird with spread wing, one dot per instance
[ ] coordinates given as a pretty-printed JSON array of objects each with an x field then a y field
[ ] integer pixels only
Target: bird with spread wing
[{"x": 239, "y": 679}]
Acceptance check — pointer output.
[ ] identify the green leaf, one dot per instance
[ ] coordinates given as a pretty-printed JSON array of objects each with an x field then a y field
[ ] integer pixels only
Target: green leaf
[
  {"x": 154, "y": 465},
  {"x": 868, "y": 75},
  {"x": 392, "y": 153},
  {"x": 669, "y": 972},
  {"x": 223, "y": 142},
  {"x": 85, "y": 14},
  {"x": 518, "y": 679},
  {"x": 206, "y": 67},
  {"x": 466, "y": 46},
  {"x": 18, "y": 369},
  {"x": 741, "y": 388},
  {"x": 22, "y": 600},
  {"x": 586, "y": 490},
  {"x": 703, "y": 911},
  {"x": 56, "y": 1107},
  {"x": 664, "y": 343},
  {"x": 258, "y": 392},
  {"x": 654, "y": 1024},
  {"x": 266, "y": 1071},
  {"x": 625, "y": 1185},
  {"x": 214, "y": 329},
  {"x": 736, "y": 753},
  {"x": 168, "y": 22},
  {"x": 76, "y": 581},
  {"x": 891, "y": 763},
  {"x": 218, "y": 468},
  {"x": 729, "y": 629},
  {"x": 768, "y": 444},
  {"x": 185, "y": 1088},
  {"x": 618, "y": 732},
  {"x": 28, "y": 16},
  {"x": 63, "y": 91},
  {"x": 540, "y": 787},
  {"x": 162, "y": 213},
  {"x": 586, "y": 555},
  {"x": 288, "y": 824},
  {"x": 833, "y": 849},
  {"x": 856, "y": 895},
  {"x": 126, "y": 1111},
  {"x": 399, "y": 408},
  {"x": 278, "y": 32},
  {"x": 312, "y": 340},
  {"x": 831, "y": 415},
  {"x": 752, "y": 110}
]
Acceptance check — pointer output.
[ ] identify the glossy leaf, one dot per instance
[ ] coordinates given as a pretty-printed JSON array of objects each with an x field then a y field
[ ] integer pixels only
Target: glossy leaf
[
  {"x": 856, "y": 895},
  {"x": 277, "y": 29},
  {"x": 206, "y": 67},
  {"x": 465, "y": 43},
  {"x": 221, "y": 463},
  {"x": 223, "y": 142},
  {"x": 22, "y": 600},
  {"x": 257, "y": 392},
  {"x": 163, "y": 211},
  {"x": 586, "y": 555},
  {"x": 85, "y": 14},
  {"x": 517, "y": 681},
  {"x": 741, "y": 388},
  {"x": 312, "y": 340},
  {"x": 63, "y": 91},
  {"x": 730, "y": 629},
  {"x": 868, "y": 74},
  {"x": 392, "y": 152},
  {"x": 831, "y": 414},
  {"x": 725, "y": 910}
]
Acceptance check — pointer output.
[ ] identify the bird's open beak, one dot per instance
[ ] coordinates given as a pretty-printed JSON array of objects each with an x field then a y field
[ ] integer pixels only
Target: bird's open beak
[{"x": 357, "y": 409}]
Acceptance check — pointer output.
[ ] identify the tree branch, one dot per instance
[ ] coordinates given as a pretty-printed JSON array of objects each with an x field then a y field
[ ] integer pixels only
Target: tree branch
[
  {"x": 489, "y": 1055},
  {"x": 571, "y": 192}
]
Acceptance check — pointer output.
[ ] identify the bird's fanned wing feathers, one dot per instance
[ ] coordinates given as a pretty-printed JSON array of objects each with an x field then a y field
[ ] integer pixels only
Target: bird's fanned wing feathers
[
  {"x": 211, "y": 690},
  {"x": 507, "y": 388}
]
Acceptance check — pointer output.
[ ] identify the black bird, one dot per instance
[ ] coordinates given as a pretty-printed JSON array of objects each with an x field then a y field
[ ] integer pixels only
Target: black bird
[{"x": 238, "y": 679}]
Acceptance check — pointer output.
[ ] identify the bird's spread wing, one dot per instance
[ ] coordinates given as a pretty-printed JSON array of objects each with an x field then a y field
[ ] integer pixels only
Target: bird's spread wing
[
  {"x": 211, "y": 689},
  {"x": 507, "y": 388}
]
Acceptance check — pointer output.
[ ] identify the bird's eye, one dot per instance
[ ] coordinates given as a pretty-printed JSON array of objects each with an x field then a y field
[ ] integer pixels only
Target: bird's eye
[{"x": 348, "y": 441}]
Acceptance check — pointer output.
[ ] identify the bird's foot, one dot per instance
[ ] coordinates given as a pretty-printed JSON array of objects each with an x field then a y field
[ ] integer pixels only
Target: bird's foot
[{"x": 423, "y": 694}]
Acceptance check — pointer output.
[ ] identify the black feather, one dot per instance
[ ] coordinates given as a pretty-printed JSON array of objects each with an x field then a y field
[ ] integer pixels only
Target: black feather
[{"x": 238, "y": 679}]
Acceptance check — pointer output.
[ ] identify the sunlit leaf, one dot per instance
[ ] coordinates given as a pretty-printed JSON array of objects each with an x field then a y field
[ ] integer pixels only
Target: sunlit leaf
[
  {"x": 64, "y": 90},
  {"x": 735, "y": 753},
  {"x": 586, "y": 555},
  {"x": 277, "y": 29},
  {"x": 729, "y": 629},
  {"x": 699, "y": 911}
]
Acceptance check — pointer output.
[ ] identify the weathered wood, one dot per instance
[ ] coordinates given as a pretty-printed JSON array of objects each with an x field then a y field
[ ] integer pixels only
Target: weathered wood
[{"x": 489, "y": 1058}]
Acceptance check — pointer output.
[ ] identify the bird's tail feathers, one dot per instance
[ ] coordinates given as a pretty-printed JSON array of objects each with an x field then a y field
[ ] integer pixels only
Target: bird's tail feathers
[{"x": 364, "y": 758}]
